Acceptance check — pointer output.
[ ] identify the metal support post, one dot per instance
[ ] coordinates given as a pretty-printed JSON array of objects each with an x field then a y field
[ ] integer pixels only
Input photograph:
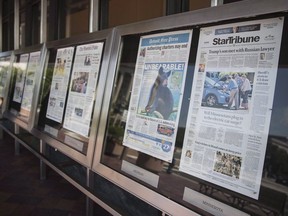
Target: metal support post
[
  {"x": 16, "y": 143},
  {"x": 1, "y": 134},
  {"x": 89, "y": 202},
  {"x": 43, "y": 170}
]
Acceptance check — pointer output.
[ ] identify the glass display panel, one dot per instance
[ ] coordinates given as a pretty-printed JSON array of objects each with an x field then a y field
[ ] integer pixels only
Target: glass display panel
[
  {"x": 68, "y": 93},
  {"x": 202, "y": 169}
]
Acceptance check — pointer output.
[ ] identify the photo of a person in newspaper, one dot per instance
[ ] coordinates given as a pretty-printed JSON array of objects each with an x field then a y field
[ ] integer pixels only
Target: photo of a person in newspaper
[
  {"x": 227, "y": 90},
  {"x": 87, "y": 61},
  {"x": 245, "y": 90},
  {"x": 234, "y": 93},
  {"x": 79, "y": 82}
]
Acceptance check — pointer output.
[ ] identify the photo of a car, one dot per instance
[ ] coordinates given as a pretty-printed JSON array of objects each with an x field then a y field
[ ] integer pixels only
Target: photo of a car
[
  {"x": 165, "y": 130},
  {"x": 214, "y": 93}
]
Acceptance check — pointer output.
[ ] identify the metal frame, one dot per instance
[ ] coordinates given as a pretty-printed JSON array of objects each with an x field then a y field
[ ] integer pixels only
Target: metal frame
[
  {"x": 238, "y": 10},
  {"x": 16, "y": 24},
  {"x": 85, "y": 160},
  {"x": 43, "y": 21},
  {"x": 94, "y": 16}
]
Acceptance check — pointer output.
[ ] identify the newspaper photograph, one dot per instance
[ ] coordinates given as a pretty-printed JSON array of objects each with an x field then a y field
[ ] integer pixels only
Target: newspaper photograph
[
  {"x": 82, "y": 88},
  {"x": 59, "y": 86},
  {"x": 33, "y": 64},
  {"x": 20, "y": 68},
  {"x": 157, "y": 92},
  {"x": 231, "y": 104}
]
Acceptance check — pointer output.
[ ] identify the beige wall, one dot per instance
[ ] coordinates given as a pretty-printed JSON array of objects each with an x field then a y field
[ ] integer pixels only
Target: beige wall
[
  {"x": 128, "y": 11},
  {"x": 77, "y": 23},
  {"x": 125, "y": 11},
  {"x": 198, "y": 4}
]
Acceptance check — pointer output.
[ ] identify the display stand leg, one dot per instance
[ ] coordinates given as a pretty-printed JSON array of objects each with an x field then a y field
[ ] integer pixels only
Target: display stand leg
[
  {"x": 16, "y": 143},
  {"x": 1, "y": 134},
  {"x": 89, "y": 202},
  {"x": 42, "y": 164}
]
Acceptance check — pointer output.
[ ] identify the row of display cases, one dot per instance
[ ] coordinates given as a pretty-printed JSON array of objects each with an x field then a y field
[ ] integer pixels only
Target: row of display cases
[{"x": 183, "y": 112}]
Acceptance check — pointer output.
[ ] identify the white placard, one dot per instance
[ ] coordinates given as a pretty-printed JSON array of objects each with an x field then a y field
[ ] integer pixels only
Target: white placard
[
  {"x": 140, "y": 173},
  {"x": 74, "y": 143},
  {"x": 210, "y": 205}
]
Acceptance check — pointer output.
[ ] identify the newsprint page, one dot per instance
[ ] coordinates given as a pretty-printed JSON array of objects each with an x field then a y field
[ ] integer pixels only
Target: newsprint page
[
  {"x": 20, "y": 77},
  {"x": 231, "y": 104},
  {"x": 82, "y": 88},
  {"x": 59, "y": 86},
  {"x": 157, "y": 93},
  {"x": 33, "y": 64}
]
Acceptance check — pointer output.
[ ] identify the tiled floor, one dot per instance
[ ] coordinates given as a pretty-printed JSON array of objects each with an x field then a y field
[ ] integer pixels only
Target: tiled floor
[{"x": 23, "y": 193}]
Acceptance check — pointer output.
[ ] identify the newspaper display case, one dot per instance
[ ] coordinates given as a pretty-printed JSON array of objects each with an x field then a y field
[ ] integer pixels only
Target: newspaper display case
[
  {"x": 179, "y": 132},
  {"x": 25, "y": 86},
  {"x": 22, "y": 91},
  {"x": 71, "y": 94}
]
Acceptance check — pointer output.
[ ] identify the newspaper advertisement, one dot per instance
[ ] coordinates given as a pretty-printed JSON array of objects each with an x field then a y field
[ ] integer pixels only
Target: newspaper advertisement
[
  {"x": 4, "y": 67},
  {"x": 231, "y": 104},
  {"x": 20, "y": 69},
  {"x": 82, "y": 89},
  {"x": 33, "y": 64},
  {"x": 59, "y": 86},
  {"x": 157, "y": 92}
]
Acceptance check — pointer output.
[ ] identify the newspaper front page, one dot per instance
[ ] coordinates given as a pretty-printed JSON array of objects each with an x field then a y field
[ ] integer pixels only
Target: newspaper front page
[
  {"x": 4, "y": 66},
  {"x": 33, "y": 64},
  {"x": 157, "y": 92},
  {"x": 231, "y": 104},
  {"x": 59, "y": 86},
  {"x": 21, "y": 67},
  {"x": 82, "y": 88}
]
